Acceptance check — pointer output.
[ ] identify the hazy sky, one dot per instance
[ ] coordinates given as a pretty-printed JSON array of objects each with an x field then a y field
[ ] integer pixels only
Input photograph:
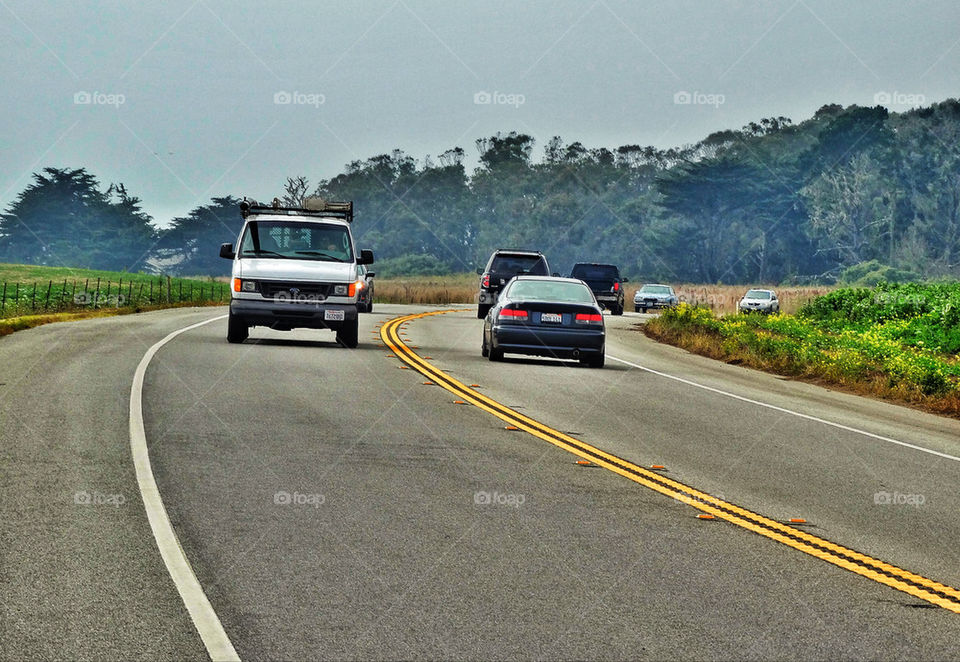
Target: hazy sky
[{"x": 190, "y": 94}]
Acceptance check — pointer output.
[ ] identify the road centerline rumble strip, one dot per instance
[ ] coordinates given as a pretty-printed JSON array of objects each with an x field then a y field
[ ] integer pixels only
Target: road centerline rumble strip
[{"x": 918, "y": 586}]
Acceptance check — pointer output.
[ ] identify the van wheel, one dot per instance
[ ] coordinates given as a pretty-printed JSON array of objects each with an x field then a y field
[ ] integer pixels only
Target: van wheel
[
  {"x": 593, "y": 361},
  {"x": 237, "y": 329},
  {"x": 347, "y": 334},
  {"x": 482, "y": 310},
  {"x": 617, "y": 310}
]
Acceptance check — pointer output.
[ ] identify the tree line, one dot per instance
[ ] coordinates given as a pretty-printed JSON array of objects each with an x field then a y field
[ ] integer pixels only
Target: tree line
[{"x": 851, "y": 190}]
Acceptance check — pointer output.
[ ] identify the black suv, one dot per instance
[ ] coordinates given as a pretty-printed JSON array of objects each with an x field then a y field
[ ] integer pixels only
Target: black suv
[
  {"x": 605, "y": 281},
  {"x": 503, "y": 265}
]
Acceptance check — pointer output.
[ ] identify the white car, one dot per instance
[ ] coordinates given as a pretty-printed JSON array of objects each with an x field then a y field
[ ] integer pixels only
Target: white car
[
  {"x": 295, "y": 267},
  {"x": 759, "y": 301}
]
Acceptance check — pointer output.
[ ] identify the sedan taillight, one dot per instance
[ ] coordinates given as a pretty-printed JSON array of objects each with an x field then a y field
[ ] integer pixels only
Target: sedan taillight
[
  {"x": 589, "y": 318},
  {"x": 512, "y": 313}
]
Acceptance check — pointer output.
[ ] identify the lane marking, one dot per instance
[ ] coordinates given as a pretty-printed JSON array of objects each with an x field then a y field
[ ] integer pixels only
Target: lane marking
[
  {"x": 204, "y": 618},
  {"x": 890, "y": 575},
  {"x": 782, "y": 410}
]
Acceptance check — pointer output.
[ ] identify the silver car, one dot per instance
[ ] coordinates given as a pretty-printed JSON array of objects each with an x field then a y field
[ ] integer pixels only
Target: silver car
[
  {"x": 759, "y": 301},
  {"x": 654, "y": 295}
]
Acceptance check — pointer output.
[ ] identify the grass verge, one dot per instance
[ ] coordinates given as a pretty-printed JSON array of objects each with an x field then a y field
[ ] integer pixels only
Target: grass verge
[{"x": 860, "y": 363}]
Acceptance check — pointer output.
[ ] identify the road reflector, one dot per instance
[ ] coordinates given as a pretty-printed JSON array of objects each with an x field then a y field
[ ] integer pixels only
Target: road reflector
[
  {"x": 428, "y": 383},
  {"x": 459, "y": 402},
  {"x": 428, "y": 357},
  {"x": 511, "y": 427},
  {"x": 705, "y": 516},
  {"x": 403, "y": 367},
  {"x": 474, "y": 385},
  {"x": 583, "y": 461},
  {"x": 798, "y": 520},
  {"x": 657, "y": 466}
]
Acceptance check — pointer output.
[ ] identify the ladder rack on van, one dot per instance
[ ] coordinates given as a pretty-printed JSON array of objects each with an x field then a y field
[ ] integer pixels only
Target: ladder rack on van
[{"x": 311, "y": 207}]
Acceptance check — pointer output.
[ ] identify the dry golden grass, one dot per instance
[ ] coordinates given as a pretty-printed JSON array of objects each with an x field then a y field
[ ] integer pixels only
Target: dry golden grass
[
  {"x": 456, "y": 288},
  {"x": 722, "y": 299}
]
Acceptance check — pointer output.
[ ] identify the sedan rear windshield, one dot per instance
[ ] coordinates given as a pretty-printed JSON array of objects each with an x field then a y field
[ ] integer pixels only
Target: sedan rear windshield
[
  {"x": 548, "y": 290},
  {"x": 534, "y": 265},
  {"x": 655, "y": 289},
  {"x": 296, "y": 240},
  {"x": 757, "y": 294}
]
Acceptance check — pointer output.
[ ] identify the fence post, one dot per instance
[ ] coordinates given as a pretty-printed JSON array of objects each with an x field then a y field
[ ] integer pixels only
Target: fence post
[
  {"x": 33, "y": 298},
  {"x": 46, "y": 302},
  {"x": 130, "y": 292},
  {"x": 180, "y": 295},
  {"x": 189, "y": 293},
  {"x": 3, "y": 298},
  {"x": 119, "y": 292},
  {"x": 63, "y": 291},
  {"x": 16, "y": 300},
  {"x": 73, "y": 294},
  {"x": 96, "y": 295},
  {"x": 140, "y": 293},
  {"x": 151, "y": 291},
  {"x": 168, "y": 290}
]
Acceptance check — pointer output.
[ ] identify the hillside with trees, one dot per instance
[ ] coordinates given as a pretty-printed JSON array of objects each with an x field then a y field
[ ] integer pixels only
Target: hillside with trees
[{"x": 849, "y": 192}]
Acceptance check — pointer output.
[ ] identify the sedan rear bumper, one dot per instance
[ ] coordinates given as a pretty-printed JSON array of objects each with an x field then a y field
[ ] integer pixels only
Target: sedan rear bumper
[{"x": 545, "y": 341}]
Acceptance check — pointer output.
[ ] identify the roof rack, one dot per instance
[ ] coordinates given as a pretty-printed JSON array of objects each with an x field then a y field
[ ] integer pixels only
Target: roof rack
[{"x": 311, "y": 207}]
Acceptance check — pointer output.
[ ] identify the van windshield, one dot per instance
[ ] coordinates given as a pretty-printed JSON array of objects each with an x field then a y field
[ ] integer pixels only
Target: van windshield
[{"x": 296, "y": 240}]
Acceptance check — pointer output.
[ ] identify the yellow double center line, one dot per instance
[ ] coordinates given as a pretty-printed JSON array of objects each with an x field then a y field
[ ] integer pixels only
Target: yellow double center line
[{"x": 844, "y": 557}]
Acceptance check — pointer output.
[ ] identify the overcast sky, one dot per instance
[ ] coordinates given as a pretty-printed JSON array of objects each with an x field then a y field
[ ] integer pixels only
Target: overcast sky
[{"x": 190, "y": 94}]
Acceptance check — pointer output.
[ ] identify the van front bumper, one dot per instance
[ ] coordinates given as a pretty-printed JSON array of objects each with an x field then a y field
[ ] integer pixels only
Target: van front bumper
[{"x": 288, "y": 315}]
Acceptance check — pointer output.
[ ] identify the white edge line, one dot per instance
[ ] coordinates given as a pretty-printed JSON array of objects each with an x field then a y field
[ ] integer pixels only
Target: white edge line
[
  {"x": 788, "y": 411},
  {"x": 204, "y": 618}
]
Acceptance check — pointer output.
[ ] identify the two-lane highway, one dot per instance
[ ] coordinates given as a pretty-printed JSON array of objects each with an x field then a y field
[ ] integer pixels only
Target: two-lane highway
[{"x": 333, "y": 505}]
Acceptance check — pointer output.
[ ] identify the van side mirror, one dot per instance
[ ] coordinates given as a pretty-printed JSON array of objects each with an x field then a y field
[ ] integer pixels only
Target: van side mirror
[
  {"x": 366, "y": 257},
  {"x": 226, "y": 251},
  {"x": 479, "y": 271},
  {"x": 370, "y": 274},
  {"x": 556, "y": 274},
  {"x": 624, "y": 280}
]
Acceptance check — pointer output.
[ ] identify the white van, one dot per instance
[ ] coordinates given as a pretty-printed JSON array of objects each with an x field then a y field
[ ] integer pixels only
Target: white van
[{"x": 295, "y": 268}]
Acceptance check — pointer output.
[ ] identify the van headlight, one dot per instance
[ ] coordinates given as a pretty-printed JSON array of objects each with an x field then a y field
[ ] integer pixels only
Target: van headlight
[{"x": 340, "y": 290}]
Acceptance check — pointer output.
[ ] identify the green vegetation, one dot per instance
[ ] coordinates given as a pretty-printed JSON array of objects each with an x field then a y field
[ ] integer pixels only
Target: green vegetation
[
  {"x": 897, "y": 340},
  {"x": 28, "y": 290},
  {"x": 851, "y": 195}
]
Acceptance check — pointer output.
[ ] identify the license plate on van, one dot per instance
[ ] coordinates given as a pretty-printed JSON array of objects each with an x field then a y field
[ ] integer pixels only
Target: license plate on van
[
  {"x": 333, "y": 315},
  {"x": 551, "y": 318}
]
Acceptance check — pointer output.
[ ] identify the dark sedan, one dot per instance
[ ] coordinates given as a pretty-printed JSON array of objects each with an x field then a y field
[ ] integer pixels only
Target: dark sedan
[{"x": 545, "y": 316}]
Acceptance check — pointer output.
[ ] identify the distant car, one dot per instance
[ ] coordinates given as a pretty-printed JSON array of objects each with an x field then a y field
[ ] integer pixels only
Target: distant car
[
  {"x": 759, "y": 301},
  {"x": 605, "y": 282},
  {"x": 501, "y": 267},
  {"x": 654, "y": 295},
  {"x": 545, "y": 316},
  {"x": 365, "y": 299}
]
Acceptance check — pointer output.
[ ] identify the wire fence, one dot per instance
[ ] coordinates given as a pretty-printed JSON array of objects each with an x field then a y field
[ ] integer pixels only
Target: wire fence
[{"x": 36, "y": 297}]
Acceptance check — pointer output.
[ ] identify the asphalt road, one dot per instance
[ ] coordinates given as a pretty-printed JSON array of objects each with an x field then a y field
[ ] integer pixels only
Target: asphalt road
[{"x": 335, "y": 507}]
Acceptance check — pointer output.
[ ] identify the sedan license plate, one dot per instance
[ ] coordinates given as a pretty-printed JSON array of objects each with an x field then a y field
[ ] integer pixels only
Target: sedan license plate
[
  {"x": 551, "y": 318},
  {"x": 333, "y": 315}
]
